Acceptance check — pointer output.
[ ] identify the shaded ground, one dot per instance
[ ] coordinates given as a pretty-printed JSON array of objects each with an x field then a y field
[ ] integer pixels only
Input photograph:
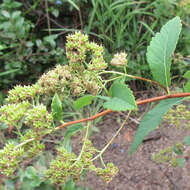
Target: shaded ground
[{"x": 139, "y": 172}]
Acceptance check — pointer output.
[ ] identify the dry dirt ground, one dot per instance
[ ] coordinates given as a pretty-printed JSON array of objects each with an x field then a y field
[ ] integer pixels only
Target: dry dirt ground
[{"x": 139, "y": 172}]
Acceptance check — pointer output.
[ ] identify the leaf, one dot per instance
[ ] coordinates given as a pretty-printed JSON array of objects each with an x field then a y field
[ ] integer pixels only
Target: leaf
[
  {"x": 180, "y": 162},
  {"x": 187, "y": 140},
  {"x": 151, "y": 120},
  {"x": 5, "y": 13},
  {"x": 73, "y": 4},
  {"x": 117, "y": 104},
  {"x": 83, "y": 101},
  {"x": 187, "y": 87},
  {"x": 69, "y": 185},
  {"x": 55, "y": 12},
  {"x": 56, "y": 107},
  {"x": 122, "y": 98},
  {"x": 51, "y": 39},
  {"x": 69, "y": 132},
  {"x": 30, "y": 172},
  {"x": 103, "y": 97},
  {"x": 8, "y": 72},
  {"x": 187, "y": 75},
  {"x": 160, "y": 50},
  {"x": 16, "y": 14}
]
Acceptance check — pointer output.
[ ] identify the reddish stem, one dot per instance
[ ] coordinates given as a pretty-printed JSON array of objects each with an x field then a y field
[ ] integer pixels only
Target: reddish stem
[{"x": 139, "y": 102}]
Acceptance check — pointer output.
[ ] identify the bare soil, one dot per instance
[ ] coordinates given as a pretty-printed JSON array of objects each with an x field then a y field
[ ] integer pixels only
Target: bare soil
[{"x": 139, "y": 172}]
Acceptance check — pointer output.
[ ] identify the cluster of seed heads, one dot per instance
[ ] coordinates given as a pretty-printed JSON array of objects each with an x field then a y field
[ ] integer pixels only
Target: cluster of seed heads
[
  {"x": 74, "y": 167},
  {"x": 179, "y": 117},
  {"x": 10, "y": 158},
  {"x": 25, "y": 106},
  {"x": 119, "y": 59},
  {"x": 169, "y": 155}
]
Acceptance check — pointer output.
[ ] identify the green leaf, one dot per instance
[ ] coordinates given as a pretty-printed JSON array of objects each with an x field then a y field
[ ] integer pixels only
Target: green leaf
[
  {"x": 83, "y": 101},
  {"x": 55, "y": 12},
  {"x": 117, "y": 104},
  {"x": 69, "y": 185},
  {"x": 16, "y": 14},
  {"x": 51, "y": 39},
  {"x": 73, "y": 4},
  {"x": 122, "y": 98},
  {"x": 160, "y": 50},
  {"x": 69, "y": 132},
  {"x": 103, "y": 97},
  {"x": 187, "y": 87},
  {"x": 180, "y": 162},
  {"x": 5, "y": 13},
  {"x": 56, "y": 107},
  {"x": 30, "y": 172},
  {"x": 30, "y": 178},
  {"x": 187, "y": 75},
  {"x": 151, "y": 120},
  {"x": 8, "y": 72},
  {"x": 187, "y": 140}
]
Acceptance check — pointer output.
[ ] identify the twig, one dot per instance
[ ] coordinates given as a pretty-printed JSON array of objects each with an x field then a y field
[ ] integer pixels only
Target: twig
[
  {"x": 140, "y": 102},
  {"x": 137, "y": 77}
]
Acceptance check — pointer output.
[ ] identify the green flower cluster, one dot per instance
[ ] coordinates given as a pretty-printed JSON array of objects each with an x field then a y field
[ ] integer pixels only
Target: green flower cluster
[
  {"x": 73, "y": 79},
  {"x": 55, "y": 80},
  {"x": 35, "y": 147},
  {"x": 12, "y": 114},
  {"x": 10, "y": 159},
  {"x": 106, "y": 173},
  {"x": 63, "y": 167},
  {"x": 21, "y": 93},
  {"x": 97, "y": 62},
  {"x": 38, "y": 118},
  {"x": 65, "y": 81},
  {"x": 26, "y": 108},
  {"x": 179, "y": 117},
  {"x": 67, "y": 165},
  {"x": 77, "y": 49},
  {"x": 169, "y": 155}
]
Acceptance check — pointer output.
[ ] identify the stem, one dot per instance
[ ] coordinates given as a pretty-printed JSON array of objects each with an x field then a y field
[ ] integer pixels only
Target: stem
[
  {"x": 80, "y": 17},
  {"x": 106, "y": 81},
  {"x": 84, "y": 144},
  {"x": 25, "y": 142},
  {"x": 100, "y": 82},
  {"x": 140, "y": 102},
  {"x": 113, "y": 138},
  {"x": 137, "y": 77},
  {"x": 102, "y": 161}
]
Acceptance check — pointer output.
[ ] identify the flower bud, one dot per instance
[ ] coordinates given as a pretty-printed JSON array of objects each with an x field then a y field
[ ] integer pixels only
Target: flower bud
[{"x": 119, "y": 59}]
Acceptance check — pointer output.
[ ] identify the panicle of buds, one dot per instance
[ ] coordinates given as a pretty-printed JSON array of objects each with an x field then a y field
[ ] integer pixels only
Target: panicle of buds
[
  {"x": 119, "y": 59},
  {"x": 21, "y": 93}
]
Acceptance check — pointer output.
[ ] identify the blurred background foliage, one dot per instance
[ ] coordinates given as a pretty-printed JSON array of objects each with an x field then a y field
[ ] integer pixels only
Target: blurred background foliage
[{"x": 32, "y": 33}]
